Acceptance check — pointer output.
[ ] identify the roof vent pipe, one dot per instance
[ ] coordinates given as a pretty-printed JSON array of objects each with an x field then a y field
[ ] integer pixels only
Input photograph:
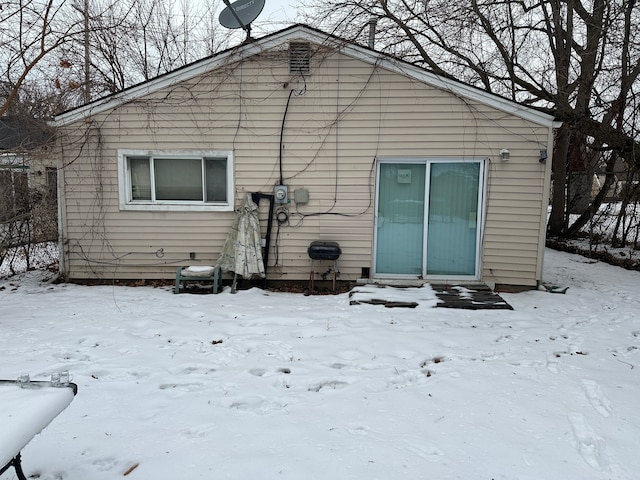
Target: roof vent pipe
[{"x": 373, "y": 21}]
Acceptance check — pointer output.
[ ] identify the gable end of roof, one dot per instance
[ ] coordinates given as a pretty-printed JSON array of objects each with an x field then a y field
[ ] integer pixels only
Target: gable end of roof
[{"x": 301, "y": 32}]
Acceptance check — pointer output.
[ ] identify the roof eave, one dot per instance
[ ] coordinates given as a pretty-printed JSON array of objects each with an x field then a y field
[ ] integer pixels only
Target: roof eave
[
  {"x": 316, "y": 36},
  {"x": 455, "y": 87}
]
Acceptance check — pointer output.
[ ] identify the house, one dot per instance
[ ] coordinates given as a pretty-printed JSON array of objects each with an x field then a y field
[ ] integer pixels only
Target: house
[
  {"x": 25, "y": 165},
  {"x": 417, "y": 177}
]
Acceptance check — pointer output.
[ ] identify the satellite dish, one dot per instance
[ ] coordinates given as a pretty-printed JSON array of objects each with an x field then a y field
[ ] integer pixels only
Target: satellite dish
[{"x": 241, "y": 13}]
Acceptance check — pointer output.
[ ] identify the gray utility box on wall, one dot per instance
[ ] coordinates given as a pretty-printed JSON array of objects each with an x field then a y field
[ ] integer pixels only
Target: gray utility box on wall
[{"x": 301, "y": 195}]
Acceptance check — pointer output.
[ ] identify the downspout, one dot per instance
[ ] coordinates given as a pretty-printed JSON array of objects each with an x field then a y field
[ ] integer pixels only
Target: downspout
[
  {"x": 546, "y": 194},
  {"x": 62, "y": 259}
]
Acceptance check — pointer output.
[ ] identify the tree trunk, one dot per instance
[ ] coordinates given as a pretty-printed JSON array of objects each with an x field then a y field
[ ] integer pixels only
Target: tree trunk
[
  {"x": 597, "y": 201},
  {"x": 558, "y": 219}
]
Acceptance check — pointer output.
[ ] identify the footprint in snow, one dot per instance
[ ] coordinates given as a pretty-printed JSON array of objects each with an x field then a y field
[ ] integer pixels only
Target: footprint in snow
[
  {"x": 406, "y": 377},
  {"x": 427, "y": 452},
  {"x": 71, "y": 357},
  {"x": 327, "y": 385},
  {"x": 338, "y": 366},
  {"x": 105, "y": 464},
  {"x": 360, "y": 430},
  {"x": 505, "y": 338},
  {"x": 197, "y": 432},
  {"x": 588, "y": 444},
  {"x": 552, "y": 362},
  {"x": 259, "y": 372},
  {"x": 180, "y": 388},
  {"x": 255, "y": 404},
  {"x": 597, "y": 398}
]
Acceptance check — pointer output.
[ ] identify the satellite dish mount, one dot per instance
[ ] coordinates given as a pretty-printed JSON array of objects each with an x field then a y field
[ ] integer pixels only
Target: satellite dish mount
[{"x": 240, "y": 14}]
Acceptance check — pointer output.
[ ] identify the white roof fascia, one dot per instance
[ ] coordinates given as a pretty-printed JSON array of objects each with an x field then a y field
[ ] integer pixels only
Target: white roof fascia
[
  {"x": 453, "y": 86},
  {"x": 303, "y": 33}
]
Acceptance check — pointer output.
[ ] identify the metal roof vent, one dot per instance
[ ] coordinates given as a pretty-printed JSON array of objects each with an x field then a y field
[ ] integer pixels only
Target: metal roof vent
[{"x": 299, "y": 58}]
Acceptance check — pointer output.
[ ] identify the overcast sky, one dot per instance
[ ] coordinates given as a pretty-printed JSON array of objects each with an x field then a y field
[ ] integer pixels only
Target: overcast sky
[
  {"x": 279, "y": 10},
  {"x": 277, "y": 14}
]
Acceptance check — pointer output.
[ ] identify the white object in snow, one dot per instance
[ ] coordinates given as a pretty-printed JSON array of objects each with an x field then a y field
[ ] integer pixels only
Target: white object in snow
[
  {"x": 25, "y": 410},
  {"x": 198, "y": 271}
]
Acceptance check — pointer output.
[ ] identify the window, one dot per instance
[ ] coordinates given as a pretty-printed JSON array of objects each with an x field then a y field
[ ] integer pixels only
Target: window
[
  {"x": 52, "y": 185},
  {"x": 14, "y": 192},
  {"x": 175, "y": 180}
]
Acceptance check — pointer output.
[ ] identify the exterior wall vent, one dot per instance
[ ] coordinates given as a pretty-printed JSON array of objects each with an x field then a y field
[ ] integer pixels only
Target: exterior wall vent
[{"x": 299, "y": 58}]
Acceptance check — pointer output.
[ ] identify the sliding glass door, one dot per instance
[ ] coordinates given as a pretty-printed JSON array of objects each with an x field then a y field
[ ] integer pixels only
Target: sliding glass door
[
  {"x": 400, "y": 218},
  {"x": 428, "y": 218}
]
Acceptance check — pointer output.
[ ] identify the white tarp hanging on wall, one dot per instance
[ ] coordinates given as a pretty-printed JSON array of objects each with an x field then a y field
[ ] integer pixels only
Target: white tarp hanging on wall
[{"x": 242, "y": 251}]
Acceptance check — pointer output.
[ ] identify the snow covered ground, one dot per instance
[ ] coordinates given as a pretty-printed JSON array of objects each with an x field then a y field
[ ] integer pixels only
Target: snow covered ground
[
  {"x": 597, "y": 236},
  {"x": 264, "y": 385}
]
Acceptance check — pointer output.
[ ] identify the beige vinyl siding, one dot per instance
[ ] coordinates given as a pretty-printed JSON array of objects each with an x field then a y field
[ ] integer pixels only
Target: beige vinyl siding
[{"x": 349, "y": 114}]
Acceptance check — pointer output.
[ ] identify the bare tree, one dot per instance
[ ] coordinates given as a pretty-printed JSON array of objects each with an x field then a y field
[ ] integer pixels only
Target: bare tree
[
  {"x": 44, "y": 42},
  {"x": 576, "y": 59},
  {"x": 135, "y": 40},
  {"x": 30, "y": 31}
]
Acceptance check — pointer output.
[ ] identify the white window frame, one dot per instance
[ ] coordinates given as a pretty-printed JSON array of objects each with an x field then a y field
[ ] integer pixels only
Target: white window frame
[{"x": 124, "y": 182}]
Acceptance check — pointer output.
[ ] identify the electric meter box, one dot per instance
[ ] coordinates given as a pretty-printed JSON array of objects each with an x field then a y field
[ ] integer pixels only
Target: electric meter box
[{"x": 281, "y": 194}]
